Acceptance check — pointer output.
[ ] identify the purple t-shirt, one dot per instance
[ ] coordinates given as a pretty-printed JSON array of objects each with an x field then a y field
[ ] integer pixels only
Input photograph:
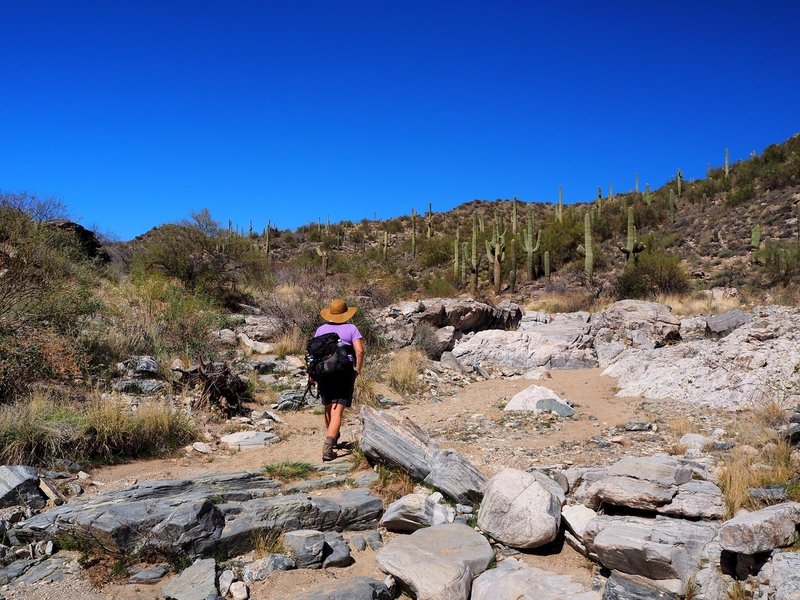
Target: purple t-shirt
[{"x": 347, "y": 332}]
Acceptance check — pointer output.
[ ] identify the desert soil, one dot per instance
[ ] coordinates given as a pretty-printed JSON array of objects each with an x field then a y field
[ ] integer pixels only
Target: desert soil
[{"x": 472, "y": 420}]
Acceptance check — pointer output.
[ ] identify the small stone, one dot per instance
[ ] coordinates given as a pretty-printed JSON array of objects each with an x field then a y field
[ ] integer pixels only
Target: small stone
[
  {"x": 636, "y": 426},
  {"x": 201, "y": 447},
  {"x": 239, "y": 591},
  {"x": 225, "y": 580}
]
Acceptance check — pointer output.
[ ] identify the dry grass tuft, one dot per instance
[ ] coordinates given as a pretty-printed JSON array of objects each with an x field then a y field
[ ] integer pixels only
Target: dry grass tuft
[
  {"x": 392, "y": 484},
  {"x": 290, "y": 342},
  {"x": 685, "y": 305},
  {"x": 45, "y": 427},
  {"x": 402, "y": 373},
  {"x": 566, "y": 302},
  {"x": 681, "y": 426},
  {"x": 365, "y": 393},
  {"x": 745, "y": 470},
  {"x": 268, "y": 542}
]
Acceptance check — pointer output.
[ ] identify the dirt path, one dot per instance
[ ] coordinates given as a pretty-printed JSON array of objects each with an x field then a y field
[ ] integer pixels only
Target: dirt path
[{"x": 472, "y": 421}]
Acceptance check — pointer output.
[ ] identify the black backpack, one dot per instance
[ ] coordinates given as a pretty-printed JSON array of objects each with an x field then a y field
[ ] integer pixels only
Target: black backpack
[{"x": 326, "y": 358}]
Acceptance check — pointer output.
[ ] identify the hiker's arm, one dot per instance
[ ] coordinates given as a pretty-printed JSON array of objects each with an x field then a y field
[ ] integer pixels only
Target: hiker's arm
[{"x": 358, "y": 346}]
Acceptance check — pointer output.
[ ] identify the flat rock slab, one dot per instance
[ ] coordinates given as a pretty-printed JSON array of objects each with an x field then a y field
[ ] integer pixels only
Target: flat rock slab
[
  {"x": 718, "y": 326},
  {"x": 198, "y": 582},
  {"x": 762, "y": 530},
  {"x": 355, "y": 588},
  {"x": 630, "y": 587},
  {"x": 521, "y": 510},
  {"x": 19, "y": 485},
  {"x": 400, "y": 443},
  {"x": 660, "y": 548},
  {"x": 243, "y": 440},
  {"x": 437, "y": 563},
  {"x": 514, "y": 580},
  {"x": 663, "y": 470},
  {"x": 209, "y": 514},
  {"x": 539, "y": 399}
]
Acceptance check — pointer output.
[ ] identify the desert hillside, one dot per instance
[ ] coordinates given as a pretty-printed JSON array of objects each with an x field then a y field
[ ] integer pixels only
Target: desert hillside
[{"x": 591, "y": 400}]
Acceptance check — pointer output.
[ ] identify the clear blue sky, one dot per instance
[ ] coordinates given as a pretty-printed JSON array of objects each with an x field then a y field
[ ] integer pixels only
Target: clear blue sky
[{"x": 138, "y": 113}]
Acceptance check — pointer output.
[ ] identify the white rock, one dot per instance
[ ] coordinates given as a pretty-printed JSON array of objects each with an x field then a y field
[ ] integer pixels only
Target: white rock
[
  {"x": 242, "y": 440},
  {"x": 202, "y": 447},
  {"x": 538, "y": 398},
  {"x": 257, "y": 347},
  {"x": 514, "y": 580},
  {"x": 762, "y": 530},
  {"x": 239, "y": 591},
  {"x": 521, "y": 510}
]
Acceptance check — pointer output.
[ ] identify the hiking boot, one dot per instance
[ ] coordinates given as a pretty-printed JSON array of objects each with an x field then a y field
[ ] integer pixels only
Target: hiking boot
[{"x": 328, "y": 451}]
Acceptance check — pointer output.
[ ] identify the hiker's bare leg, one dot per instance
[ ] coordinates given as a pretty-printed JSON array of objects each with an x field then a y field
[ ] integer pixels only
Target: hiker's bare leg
[
  {"x": 334, "y": 419},
  {"x": 328, "y": 415}
]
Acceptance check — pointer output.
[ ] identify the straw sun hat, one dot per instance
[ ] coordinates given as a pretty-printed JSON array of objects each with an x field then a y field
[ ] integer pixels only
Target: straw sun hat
[{"x": 337, "y": 312}]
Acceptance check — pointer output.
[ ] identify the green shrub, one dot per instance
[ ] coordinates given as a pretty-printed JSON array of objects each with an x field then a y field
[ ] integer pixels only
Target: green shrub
[
  {"x": 46, "y": 282},
  {"x": 655, "y": 273},
  {"x": 202, "y": 257}
]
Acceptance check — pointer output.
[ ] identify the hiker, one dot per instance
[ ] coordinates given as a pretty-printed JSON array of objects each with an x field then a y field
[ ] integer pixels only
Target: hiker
[{"x": 337, "y": 394}]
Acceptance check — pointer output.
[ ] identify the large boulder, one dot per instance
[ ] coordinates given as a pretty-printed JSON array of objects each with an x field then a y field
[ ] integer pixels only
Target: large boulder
[
  {"x": 762, "y": 530},
  {"x": 400, "y": 443},
  {"x": 437, "y": 563},
  {"x": 726, "y": 373},
  {"x": 514, "y": 580},
  {"x": 660, "y": 484},
  {"x": 632, "y": 324},
  {"x": 399, "y": 322},
  {"x": 660, "y": 548},
  {"x": 561, "y": 343},
  {"x": 19, "y": 485},
  {"x": 521, "y": 510}
]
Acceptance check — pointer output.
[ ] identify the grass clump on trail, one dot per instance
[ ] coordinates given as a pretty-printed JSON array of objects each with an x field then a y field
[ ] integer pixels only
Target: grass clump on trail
[
  {"x": 288, "y": 470},
  {"x": 402, "y": 372},
  {"x": 42, "y": 428}
]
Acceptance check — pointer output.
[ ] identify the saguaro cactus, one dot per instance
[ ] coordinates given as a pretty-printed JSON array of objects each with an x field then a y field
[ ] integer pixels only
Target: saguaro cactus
[
  {"x": 727, "y": 165},
  {"x": 464, "y": 255},
  {"x": 633, "y": 248},
  {"x": 266, "y": 235},
  {"x": 647, "y": 198},
  {"x": 429, "y": 221},
  {"x": 385, "y": 244},
  {"x": 586, "y": 250},
  {"x": 475, "y": 257},
  {"x": 636, "y": 184},
  {"x": 530, "y": 247},
  {"x": 324, "y": 255},
  {"x": 680, "y": 182},
  {"x": 512, "y": 274},
  {"x": 547, "y": 265},
  {"x": 755, "y": 242},
  {"x": 611, "y": 191},
  {"x": 560, "y": 207},
  {"x": 496, "y": 253}
]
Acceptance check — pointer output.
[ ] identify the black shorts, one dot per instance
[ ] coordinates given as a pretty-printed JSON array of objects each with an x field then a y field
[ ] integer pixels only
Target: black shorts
[{"x": 338, "y": 391}]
